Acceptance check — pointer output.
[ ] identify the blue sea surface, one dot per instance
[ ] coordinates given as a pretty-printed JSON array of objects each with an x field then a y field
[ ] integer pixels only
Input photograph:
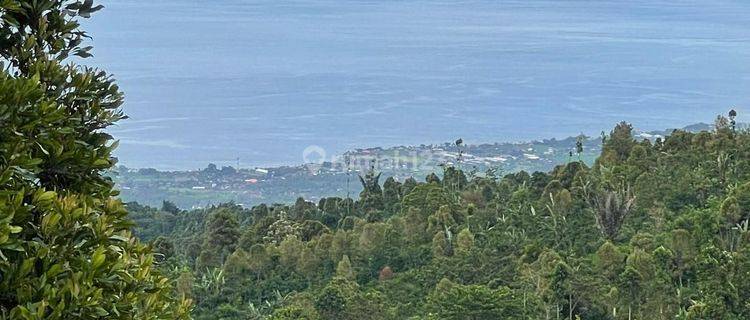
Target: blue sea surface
[{"x": 260, "y": 81}]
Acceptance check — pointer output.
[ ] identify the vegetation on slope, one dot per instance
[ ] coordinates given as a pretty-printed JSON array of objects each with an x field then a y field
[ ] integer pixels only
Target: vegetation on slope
[{"x": 653, "y": 230}]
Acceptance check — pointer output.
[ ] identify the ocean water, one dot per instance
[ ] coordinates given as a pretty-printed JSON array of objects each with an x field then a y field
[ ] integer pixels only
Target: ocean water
[{"x": 258, "y": 82}]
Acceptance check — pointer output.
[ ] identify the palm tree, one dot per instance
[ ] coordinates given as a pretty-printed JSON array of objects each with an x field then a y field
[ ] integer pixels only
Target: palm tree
[
  {"x": 579, "y": 145},
  {"x": 213, "y": 280},
  {"x": 459, "y": 144},
  {"x": 611, "y": 207}
]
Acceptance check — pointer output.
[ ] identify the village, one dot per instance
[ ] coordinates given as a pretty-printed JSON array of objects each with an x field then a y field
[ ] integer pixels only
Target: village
[{"x": 249, "y": 186}]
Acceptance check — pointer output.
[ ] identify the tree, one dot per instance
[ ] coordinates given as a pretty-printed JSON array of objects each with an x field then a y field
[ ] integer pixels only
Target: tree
[
  {"x": 221, "y": 237},
  {"x": 302, "y": 209},
  {"x": 682, "y": 246},
  {"x": 719, "y": 296},
  {"x": 425, "y": 200},
  {"x": 163, "y": 248},
  {"x": 184, "y": 284},
  {"x": 371, "y": 197},
  {"x": 609, "y": 260},
  {"x": 331, "y": 302},
  {"x": 289, "y": 251},
  {"x": 455, "y": 301},
  {"x": 465, "y": 241},
  {"x": 237, "y": 264},
  {"x": 169, "y": 206},
  {"x": 741, "y": 203},
  {"x": 432, "y": 178},
  {"x": 732, "y": 121},
  {"x": 638, "y": 277},
  {"x": 66, "y": 249},
  {"x": 428, "y": 199},
  {"x": 616, "y": 148},
  {"x": 391, "y": 195},
  {"x": 454, "y": 179},
  {"x": 441, "y": 245},
  {"x": 631, "y": 280},
  {"x": 344, "y": 268},
  {"x": 409, "y": 185},
  {"x": 721, "y": 123},
  {"x": 294, "y": 313},
  {"x": 611, "y": 208},
  {"x": 561, "y": 286},
  {"x": 372, "y": 236},
  {"x": 259, "y": 258},
  {"x": 444, "y": 220}
]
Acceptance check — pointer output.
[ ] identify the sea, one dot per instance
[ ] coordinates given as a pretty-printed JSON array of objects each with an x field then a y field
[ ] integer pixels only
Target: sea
[{"x": 257, "y": 83}]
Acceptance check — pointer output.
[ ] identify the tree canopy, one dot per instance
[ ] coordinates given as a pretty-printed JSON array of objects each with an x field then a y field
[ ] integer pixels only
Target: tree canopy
[{"x": 653, "y": 230}]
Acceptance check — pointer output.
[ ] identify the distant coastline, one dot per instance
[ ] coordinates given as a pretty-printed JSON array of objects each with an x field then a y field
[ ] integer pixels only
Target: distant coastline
[{"x": 224, "y": 182}]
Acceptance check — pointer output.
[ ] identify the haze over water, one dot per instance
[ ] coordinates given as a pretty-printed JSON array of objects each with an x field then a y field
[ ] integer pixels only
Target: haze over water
[{"x": 211, "y": 81}]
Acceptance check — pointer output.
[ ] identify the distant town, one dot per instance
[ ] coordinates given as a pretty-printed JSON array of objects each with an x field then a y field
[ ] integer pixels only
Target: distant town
[{"x": 251, "y": 186}]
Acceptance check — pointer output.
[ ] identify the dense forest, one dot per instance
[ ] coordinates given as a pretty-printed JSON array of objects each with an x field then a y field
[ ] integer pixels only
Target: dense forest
[{"x": 653, "y": 230}]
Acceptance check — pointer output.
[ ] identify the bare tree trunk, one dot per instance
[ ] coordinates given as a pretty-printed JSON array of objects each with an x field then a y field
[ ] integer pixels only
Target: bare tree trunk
[
  {"x": 570, "y": 307},
  {"x": 630, "y": 313}
]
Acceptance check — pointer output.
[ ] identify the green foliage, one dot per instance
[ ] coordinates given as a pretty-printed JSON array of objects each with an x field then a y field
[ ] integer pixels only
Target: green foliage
[
  {"x": 672, "y": 217},
  {"x": 616, "y": 148},
  {"x": 66, "y": 250},
  {"x": 465, "y": 241},
  {"x": 652, "y": 231},
  {"x": 344, "y": 268},
  {"x": 223, "y": 233},
  {"x": 294, "y": 313},
  {"x": 455, "y": 301}
]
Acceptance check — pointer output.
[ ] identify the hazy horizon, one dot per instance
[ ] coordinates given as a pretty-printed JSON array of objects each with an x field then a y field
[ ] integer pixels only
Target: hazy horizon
[{"x": 263, "y": 80}]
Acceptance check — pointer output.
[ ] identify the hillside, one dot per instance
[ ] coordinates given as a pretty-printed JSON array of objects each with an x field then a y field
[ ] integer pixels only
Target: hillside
[
  {"x": 625, "y": 225},
  {"x": 651, "y": 230}
]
